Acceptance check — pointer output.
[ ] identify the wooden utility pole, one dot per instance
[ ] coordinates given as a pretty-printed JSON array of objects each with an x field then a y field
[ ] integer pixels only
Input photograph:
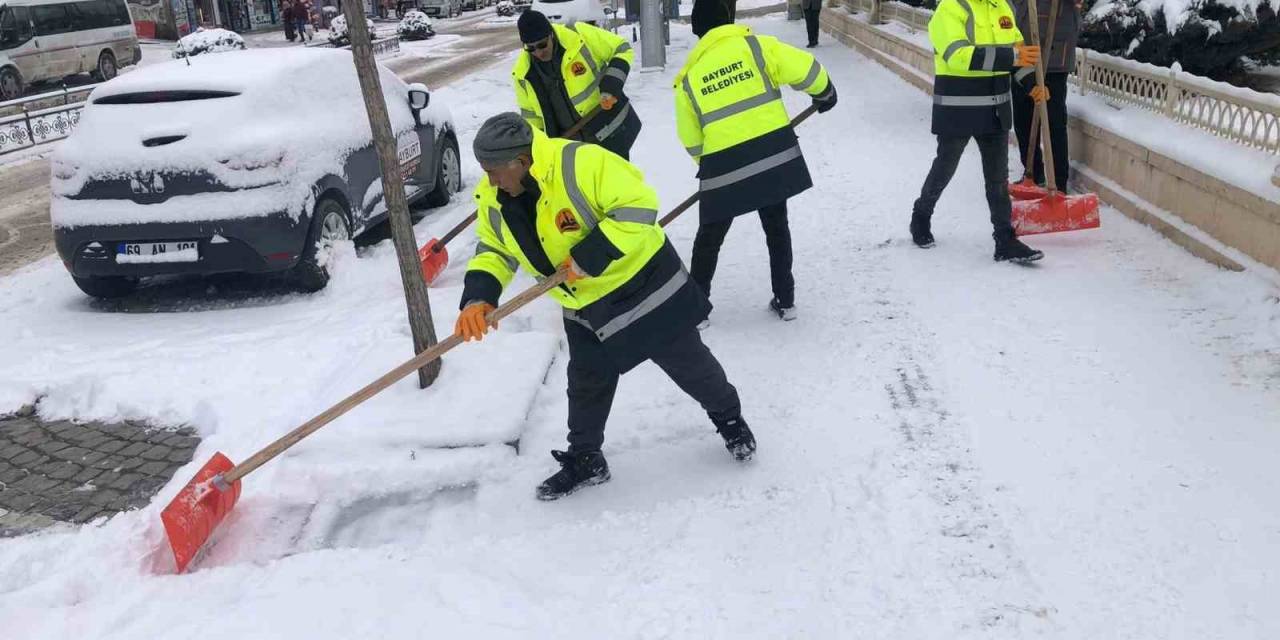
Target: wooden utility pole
[{"x": 384, "y": 140}]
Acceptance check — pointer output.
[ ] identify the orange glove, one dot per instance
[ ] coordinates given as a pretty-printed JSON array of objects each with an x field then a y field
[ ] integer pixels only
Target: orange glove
[
  {"x": 1026, "y": 55},
  {"x": 574, "y": 274},
  {"x": 1040, "y": 94},
  {"x": 471, "y": 324},
  {"x": 607, "y": 101}
]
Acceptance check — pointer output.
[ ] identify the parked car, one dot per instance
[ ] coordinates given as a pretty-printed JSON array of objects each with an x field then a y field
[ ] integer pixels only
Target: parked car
[
  {"x": 442, "y": 8},
  {"x": 566, "y": 11},
  {"x": 245, "y": 161},
  {"x": 51, "y": 39},
  {"x": 203, "y": 41},
  {"x": 415, "y": 26}
]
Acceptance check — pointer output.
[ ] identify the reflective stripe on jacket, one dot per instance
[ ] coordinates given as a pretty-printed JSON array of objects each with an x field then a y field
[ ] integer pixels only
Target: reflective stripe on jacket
[
  {"x": 594, "y": 60},
  {"x": 731, "y": 119},
  {"x": 973, "y": 56}
]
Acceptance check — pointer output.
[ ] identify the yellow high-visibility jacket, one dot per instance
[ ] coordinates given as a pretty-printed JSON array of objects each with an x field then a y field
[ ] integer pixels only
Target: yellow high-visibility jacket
[
  {"x": 595, "y": 60},
  {"x": 731, "y": 119},
  {"x": 973, "y": 55},
  {"x": 586, "y": 193},
  {"x": 728, "y": 91}
]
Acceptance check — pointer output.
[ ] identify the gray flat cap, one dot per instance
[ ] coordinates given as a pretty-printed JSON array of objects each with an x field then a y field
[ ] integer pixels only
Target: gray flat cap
[{"x": 502, "y": 138}]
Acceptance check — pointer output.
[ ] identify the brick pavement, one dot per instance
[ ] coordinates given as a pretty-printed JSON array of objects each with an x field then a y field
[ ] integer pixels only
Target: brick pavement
[{"x": 72, "y": 472}]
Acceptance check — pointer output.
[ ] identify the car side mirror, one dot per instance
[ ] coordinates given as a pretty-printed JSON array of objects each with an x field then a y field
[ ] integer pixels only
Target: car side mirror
[{"x": 419, "y": 98}]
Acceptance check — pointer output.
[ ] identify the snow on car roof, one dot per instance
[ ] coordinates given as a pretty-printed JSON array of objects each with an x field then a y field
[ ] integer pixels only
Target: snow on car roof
[{"x": 235, "y": 71}]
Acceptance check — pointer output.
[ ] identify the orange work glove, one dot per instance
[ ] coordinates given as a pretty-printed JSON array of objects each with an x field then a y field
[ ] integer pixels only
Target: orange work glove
[
  {"x": 1040, "y": 94},
  {"x": 471, "y": 324},
  {"x": 607, "y": 101},
  {"x": 1026, "y": 55},
  {"x": 574, "y": 274}
]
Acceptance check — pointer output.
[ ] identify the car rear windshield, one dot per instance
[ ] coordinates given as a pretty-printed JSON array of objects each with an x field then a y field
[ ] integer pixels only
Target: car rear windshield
[{"x": 149, "y": 97}]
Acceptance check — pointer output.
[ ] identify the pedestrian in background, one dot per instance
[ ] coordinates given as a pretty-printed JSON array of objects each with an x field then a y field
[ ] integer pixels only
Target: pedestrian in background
[
  {"x": 302, "y": 18},
  {"x": 811, "y": 10},
  {"x": 287, "y": 16},
  {"x": 1059, "y": 60}
]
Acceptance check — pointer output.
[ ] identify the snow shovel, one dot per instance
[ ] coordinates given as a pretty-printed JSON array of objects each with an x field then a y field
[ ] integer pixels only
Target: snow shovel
[
  {"x": 435, "y": 257},
  {"x": 1055, "y": 211},
  {"x": 196, "y": 511},
  {"x": 193, "y": 515}
]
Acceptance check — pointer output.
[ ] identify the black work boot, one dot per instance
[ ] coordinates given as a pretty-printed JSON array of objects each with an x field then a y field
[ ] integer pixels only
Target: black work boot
[
  {"x": 920, "y": 232},
  {"x": 786, "y": 313},
  {"x": 1010, "y": 248},
  {"x": 737, "y": 437},
  {"x": 577, "y": 470}
]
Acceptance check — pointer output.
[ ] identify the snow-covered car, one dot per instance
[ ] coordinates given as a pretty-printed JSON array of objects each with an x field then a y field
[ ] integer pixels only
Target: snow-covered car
[
  {"x": 338, "y": 32},
  {"x": 208, "y": 41},
  {"x": 442, "y": 8},
  {"x": 506, "y": 8},
  {"x": 252, "y": 161},
  {"x": 566, "y": 11},
  {"x": 415, "y": 26}
]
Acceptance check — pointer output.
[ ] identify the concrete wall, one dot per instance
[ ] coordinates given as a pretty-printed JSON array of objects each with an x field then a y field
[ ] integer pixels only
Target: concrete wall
[{"x": 1150, "y": 185}]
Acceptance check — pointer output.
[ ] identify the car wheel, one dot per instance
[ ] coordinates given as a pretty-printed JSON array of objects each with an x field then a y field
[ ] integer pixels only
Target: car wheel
[
  {"x": 448, "y": 175},
  {"x": 106, "y": 286},
  {"x": 328, "y": 230},
  {"x": 10, "y": 84},
  {"x": 106, "y": 67}
]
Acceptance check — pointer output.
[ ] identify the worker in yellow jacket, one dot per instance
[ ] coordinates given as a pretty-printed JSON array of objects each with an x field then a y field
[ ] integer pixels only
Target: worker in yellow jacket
[
  {"x": 730, "y": 117},
  {"x": 567, "y": 71},
  {"x": 547, "y": 203},
  {"x": 976, "y": 45}
]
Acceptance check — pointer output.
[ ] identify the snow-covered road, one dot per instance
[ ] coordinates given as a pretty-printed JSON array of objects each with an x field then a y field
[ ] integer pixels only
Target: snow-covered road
[{"x": 949, "y": 447}]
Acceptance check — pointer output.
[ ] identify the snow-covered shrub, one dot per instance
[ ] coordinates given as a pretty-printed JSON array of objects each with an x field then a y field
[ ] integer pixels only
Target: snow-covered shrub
[
  {"x": 1207, "y": 37},
  {"x": 208, "y": 41},
  {"x": 506, "y": 8},
  {"x": 415, "y": 26},
  {"x": 338, "y": 32}
]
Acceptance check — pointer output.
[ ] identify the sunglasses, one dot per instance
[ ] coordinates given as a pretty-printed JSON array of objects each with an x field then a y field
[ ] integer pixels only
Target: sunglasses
[{"x": 539, "y": 45}]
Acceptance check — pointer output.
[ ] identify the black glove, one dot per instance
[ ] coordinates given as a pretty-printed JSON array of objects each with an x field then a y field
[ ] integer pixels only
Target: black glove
[{"x": 826, "y": 101}]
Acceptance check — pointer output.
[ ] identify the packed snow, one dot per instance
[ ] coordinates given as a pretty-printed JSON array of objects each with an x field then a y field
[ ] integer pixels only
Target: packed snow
[{"x": 949, "y": 447}]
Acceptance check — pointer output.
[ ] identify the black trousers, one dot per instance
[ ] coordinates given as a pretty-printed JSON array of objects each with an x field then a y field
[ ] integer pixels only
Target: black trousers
[
  {"x": 593, "y": 382},
  {"x": 995, "y": 172},
  {"x": 811, "y": 23},
  {"x": 777, "y": 237},
  {"x": 1023, "y": 106}
]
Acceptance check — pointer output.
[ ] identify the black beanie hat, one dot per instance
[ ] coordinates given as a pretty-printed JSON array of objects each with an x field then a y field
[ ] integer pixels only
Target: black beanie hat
[
  {"x": 533, "y": 27},
  {"x": 709, "y": 14}
]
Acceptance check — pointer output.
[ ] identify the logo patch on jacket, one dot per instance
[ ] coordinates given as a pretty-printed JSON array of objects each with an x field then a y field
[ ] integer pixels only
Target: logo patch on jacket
[
  {"x": 1006, "y": 22},
  {"x": 578, "y": 68},
  {"x": 565, "y": 221}
]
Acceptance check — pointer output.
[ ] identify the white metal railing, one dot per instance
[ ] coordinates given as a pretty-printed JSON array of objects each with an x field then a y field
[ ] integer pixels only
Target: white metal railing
[
  {"x": 34, "y": 120},
  {"x": 1240, "y": 115}
]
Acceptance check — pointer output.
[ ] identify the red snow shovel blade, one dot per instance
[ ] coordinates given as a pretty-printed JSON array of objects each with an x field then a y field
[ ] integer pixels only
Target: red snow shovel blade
[
  {"x": 1055, "y": 212},
  {"x": 1027, "y": 189},
  {"x": 197, "y": 510},
  {"x": 434, "y": 257}
]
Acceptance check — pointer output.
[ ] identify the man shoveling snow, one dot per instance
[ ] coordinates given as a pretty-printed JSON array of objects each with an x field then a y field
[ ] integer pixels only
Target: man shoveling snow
[{"x": 547, "y": 202}]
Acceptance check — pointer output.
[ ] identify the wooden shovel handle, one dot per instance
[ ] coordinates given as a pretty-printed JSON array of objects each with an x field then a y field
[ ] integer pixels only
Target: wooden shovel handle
[
  {"x": 1035, "y": 113},
  {"x": 417, "y": 362},
  {"x": 466, "y": 222}
]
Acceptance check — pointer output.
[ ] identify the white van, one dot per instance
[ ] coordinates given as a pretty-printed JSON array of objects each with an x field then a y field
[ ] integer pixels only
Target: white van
[{"x": 52, "y": 39}]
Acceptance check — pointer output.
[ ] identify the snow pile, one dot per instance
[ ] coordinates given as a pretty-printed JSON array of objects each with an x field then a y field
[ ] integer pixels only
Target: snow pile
[
  {"x": 299, "y": 113},
  {"x": 208, "y": 41},
  {"x": 338, "y": 31},
  {"x": 950, "y": 448},
  {"x": 415, "y": 26}
]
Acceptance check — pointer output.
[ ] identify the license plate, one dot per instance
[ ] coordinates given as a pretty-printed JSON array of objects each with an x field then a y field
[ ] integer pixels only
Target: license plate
[{"x": 144, "y": 252}]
